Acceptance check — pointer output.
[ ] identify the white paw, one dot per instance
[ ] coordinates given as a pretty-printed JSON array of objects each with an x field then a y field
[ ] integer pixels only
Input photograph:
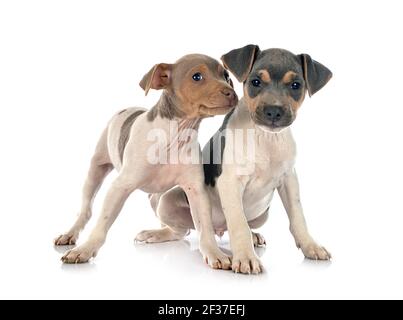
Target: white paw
[
  {"x": 246, "y": 263},
  {"x": 80, "y": 254},
  {"x": 215, "y": 258},
  {"x": 66, "y": 239},
  {"x": 158, "y": 235},
  {"x": 258, "y": 239},
  {"x": 315, "y": 252}
]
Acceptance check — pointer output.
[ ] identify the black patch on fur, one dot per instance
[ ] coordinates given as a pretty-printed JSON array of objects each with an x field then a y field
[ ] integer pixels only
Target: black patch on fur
[
  {"x": 240, "y": 61},
  {"x": 213, "y": 167},
  {"x": 252, "y": 90},
  {"x": 125, "y": 131},
  {"x": 186, "y": 197},
  {"x": 316, "y": 74},
  {"x": 277, "y": 62},
  {"x": 296, "y": 94},
  {"x": 165, "y": 108}
]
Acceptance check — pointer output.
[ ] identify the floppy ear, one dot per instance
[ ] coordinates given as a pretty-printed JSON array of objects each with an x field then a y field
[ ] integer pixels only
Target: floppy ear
[
  {"x": 159, "y": 77},
  {"x": 316, "y": 75},
  {"x": 240, "y": 61}
]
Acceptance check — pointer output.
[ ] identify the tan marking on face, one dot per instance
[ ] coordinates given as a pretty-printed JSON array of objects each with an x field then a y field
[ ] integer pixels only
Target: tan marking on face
[
  {"x": 288, "y": 77},
  {"x": 264, "y": 75},
  {"x": 267, "y": 98},
  {"x": 251, "y": 103},
  {"x": 295, "y": 105}
]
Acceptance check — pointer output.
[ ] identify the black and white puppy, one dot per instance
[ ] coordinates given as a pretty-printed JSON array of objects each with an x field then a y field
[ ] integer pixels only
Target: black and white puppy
[{"x": 253, "y": 154}]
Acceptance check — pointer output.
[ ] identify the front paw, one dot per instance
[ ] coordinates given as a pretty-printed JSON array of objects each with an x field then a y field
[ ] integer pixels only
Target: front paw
[
  {"x": 66, "y": 239},
  {"x": 80, "y": 254},
  {"x": 315, "y": 252},
  {"x": 215, "y": 258},
  {"x": 246, "y": 263}
]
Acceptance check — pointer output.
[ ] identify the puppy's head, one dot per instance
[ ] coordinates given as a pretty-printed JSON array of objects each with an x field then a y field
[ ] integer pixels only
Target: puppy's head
[
  {"x": 197, "y": 85},
  {"x": 275, "y": 82}
]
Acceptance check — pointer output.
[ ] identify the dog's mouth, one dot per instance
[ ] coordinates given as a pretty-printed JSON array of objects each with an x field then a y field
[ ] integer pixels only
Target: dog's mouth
[
  {"x": 216, "y": 110},
  {"x": 271, "y": 126},
  {"x": 218, "y": 106}
]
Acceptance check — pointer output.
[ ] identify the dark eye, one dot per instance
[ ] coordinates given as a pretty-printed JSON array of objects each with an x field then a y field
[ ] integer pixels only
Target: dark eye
[
  {"x": 295, "y": 85},
  {"x": 256, "y": 82},
  {"x": 226, "y": 76},
  {"x": 197, "y": 76}
]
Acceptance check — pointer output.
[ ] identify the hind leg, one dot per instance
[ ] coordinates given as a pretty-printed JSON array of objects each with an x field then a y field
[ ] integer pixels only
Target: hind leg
[
  {"x": 173, "y": 211},
  {"x": 99, "y": 169},
  {"x": 258, "y": 239}
]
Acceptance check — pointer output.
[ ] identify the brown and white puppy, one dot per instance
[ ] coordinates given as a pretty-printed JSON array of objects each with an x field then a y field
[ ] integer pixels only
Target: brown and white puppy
[
  {"x": 274, "y": 83},
  {"x": 196, "y": 86}
]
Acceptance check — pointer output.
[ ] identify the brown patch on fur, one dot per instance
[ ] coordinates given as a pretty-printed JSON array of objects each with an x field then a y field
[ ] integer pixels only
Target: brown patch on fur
[
  {"x": 264, "y": 75},
  {"x": 288, "y": 77},
  {"x": 159, "y": 77},
  {"x": 125, "y": 131}
]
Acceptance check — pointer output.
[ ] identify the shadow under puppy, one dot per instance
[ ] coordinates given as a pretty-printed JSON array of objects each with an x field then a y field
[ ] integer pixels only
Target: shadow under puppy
[
  {"x": 196, "y": 86},
  {"x": 275, "y": 82}
]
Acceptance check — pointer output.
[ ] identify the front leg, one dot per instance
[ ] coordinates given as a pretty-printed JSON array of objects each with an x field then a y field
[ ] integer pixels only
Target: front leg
[
  {"x": 289, "y": 194},
  {"x": 200, "y": 208},
  {"x": 244, "y": 257},
  {"x": 113, "y": 203}
]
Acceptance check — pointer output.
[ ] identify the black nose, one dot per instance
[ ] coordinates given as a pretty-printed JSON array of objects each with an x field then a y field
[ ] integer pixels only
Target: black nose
[{"x": 273, "y": 113}]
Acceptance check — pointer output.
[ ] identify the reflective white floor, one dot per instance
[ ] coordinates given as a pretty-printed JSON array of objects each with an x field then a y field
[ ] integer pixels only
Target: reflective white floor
[
  {"x": 124, "y": 270},
  {"x": 364, "y": 237}
]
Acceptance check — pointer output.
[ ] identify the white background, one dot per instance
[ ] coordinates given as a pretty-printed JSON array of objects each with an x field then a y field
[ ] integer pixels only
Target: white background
[{"x": 67, "y": 66}]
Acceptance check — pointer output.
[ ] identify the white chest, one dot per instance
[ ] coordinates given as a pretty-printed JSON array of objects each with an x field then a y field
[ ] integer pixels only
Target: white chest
[{"x": 274, "y": 157}]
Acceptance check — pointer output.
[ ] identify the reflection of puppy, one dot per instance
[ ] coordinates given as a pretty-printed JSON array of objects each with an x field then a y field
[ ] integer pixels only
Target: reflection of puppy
[
  {"x": 275, "y": 82},
  {"x": 195, "y": 86}
]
